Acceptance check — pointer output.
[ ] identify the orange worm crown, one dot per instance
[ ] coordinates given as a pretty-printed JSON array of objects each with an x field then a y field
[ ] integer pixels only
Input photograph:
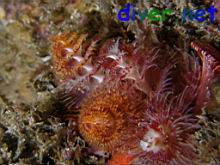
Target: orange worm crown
[{"x": 109, "y": 119}]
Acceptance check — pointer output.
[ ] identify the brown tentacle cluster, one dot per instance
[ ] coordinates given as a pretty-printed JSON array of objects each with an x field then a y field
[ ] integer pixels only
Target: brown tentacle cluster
[
  {"x": 153, "y": 70},
  {"x": 210, "y": 59},
  {"x": 81, "y": 70}
]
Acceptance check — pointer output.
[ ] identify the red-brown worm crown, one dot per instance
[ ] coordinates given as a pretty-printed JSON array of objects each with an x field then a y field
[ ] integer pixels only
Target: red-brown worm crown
[{"x": 137, "y": 100}]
